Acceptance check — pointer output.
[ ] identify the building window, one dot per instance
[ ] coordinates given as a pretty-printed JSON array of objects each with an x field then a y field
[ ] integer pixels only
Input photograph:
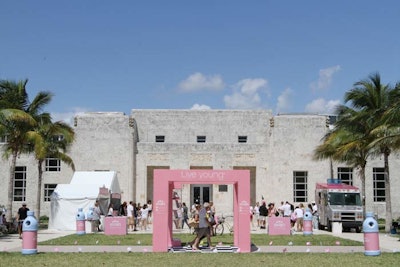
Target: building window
[
  {"x": 379, "y": 184},
  {"x": 160, "y": 138},
  {"x": 223, "y": 188},
  {"x": 300, "y": 186},
  {"x": 201, "y": 139},
  {"x": 53, "y": 165},
  {"x": 345, "y": 175},
  {"x": 242, "y": 139},
  {"x": 48, "y": 190},
  {"x": 19, "y": 190},
  {"x": 4, "y": 139}
]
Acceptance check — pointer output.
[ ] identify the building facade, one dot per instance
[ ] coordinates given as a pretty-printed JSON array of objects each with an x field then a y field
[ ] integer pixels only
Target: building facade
[{"x": 277, "y": 150}]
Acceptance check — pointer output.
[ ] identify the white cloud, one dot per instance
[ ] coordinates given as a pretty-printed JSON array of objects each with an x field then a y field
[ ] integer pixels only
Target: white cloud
[
  {"x": 284, "y": 101},
  {"x": 199, "y": 81},
  {"x": 321, "y": 106},
  {"x": 200, "y": 107},
  {"x": 324, "y": 79},
  {"x": 68, "y": 117},
  {"x": 246, "y": 94}
]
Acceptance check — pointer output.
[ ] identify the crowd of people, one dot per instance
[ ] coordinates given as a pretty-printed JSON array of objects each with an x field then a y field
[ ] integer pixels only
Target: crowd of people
[
  {"x": 259, "y": 214},
  {"x": 139, "y": 216}
]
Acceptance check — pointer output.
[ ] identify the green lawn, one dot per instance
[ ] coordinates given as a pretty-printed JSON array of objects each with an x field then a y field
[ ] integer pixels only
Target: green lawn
[
  {"x": 146, "y": 240},
  {"x": 199, "y": 259}
]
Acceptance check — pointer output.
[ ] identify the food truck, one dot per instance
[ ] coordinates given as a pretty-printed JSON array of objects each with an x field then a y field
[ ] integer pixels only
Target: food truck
[{"x": 339, "y": 202}]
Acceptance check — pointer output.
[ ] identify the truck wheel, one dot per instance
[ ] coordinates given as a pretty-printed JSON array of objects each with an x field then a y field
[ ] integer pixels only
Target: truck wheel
[
  {"x": 329, "y": 226},
  {"x": 321, "y": 227},
  {"x": 358, "y": 229}
]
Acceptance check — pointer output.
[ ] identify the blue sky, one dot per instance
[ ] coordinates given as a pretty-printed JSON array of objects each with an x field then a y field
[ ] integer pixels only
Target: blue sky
[{"x": 286, "y": 56}]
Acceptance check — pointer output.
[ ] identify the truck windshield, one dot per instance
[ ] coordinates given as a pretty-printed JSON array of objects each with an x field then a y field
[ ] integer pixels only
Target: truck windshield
[{"x": 345, "y": 199}]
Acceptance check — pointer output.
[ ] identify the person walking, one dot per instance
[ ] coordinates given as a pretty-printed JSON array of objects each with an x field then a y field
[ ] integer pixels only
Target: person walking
[
  {"x": 204, "y": 227},
  {"x": 21, "y": 216},
  {"x": 185, "y": 212}
]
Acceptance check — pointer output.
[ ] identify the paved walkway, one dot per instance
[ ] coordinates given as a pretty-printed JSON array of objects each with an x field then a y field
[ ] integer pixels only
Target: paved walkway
[{"x": 388, "y": 243}]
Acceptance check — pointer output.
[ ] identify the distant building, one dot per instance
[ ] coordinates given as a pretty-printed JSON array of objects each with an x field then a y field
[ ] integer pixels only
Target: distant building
[{"x": 277, "y": 150}]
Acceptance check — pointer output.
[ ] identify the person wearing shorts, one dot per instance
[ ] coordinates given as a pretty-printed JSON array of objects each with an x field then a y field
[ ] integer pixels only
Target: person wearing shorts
[
  {"x": 263, "y": 215},
  {"x": 130, "y": 214},
  {"x": 204, "y": 227},
  {"x": 21, "y": 216}
]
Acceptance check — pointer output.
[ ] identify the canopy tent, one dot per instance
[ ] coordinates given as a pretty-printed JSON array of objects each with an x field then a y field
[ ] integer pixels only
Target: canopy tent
[{"x": 85, "y": 188}]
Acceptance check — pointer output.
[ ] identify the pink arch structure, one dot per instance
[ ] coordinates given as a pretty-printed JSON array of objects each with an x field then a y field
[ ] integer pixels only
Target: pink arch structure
[{"x": 167, "y": 180}]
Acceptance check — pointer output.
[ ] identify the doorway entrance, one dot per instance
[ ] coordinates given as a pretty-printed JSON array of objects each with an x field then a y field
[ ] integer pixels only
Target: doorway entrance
[{"x": 200, "y": 193}]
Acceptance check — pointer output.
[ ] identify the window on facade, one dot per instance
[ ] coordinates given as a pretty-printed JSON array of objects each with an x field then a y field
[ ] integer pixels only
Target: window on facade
[
  {"x": 160, "y": 138},
  {"x": 53, "y": 165},
  {"x": 379, "y": 184},
  {"x": 345, "y": 175},
  {"x": 201, "y": 139},
  {"x": 242, "y": 139},
  {"x": 48, "y": 190},
  {"x": 300, "y": 186},
  {"x": 4, "y": 139},
  {"x": 223, "y": 188},
  {"x": 19, "y": 190}
]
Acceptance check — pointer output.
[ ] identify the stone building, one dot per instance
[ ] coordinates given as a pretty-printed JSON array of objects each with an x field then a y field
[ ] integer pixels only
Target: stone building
[{"x": 277, "y": 150}]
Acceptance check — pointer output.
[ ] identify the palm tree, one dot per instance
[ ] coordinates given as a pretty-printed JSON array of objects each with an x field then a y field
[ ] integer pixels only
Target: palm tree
[
  {"x": 52, "y": 141},
  {"x": 16, "y": 125},
  {"x": 19, "y": 118},
  {"x": 346, "y": 143},
  {"x": 374, "y": 100}
]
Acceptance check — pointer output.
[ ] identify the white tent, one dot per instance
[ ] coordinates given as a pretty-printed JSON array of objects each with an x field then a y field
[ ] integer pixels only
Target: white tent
[{"x": 82, "y": 192}]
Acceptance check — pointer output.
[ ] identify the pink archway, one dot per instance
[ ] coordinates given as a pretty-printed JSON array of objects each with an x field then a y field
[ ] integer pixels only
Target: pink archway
[{"x": 166, "y": 180}]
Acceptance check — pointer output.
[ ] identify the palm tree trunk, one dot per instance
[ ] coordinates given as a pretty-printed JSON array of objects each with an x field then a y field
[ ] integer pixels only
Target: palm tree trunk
[
  {"x": 331, "y": 167},
  {"x": 39, "y": 189},
  {"x": 11, "y": 186},
  {"x": 361, "y": 174},
  {"x": 388, "y": 219}
]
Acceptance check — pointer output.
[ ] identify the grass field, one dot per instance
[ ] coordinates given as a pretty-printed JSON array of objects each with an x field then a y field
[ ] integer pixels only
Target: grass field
[
  {"x": 146, "y": 240},
  {"x": 199, "y": 259}
]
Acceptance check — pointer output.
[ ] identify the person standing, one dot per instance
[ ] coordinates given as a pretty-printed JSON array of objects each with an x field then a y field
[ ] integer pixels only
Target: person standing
[
  {"x": 21, "y": 216},
  {"x": 299, "y": 212},
  {"x": 287, "y": 209},
  {"x": 314, "y": 215},
  {"x": 131, "y": 219},
  {"x": 122, "y": 209},
  {"x": 263, "y": 215},
  {"x": 150, "y": 207},
  {"x": 110, "y": 210},
  {"x": 144, "y": 211},
  {"x": 96, "y": 217},
  {"x": 256, "y": 211}
]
